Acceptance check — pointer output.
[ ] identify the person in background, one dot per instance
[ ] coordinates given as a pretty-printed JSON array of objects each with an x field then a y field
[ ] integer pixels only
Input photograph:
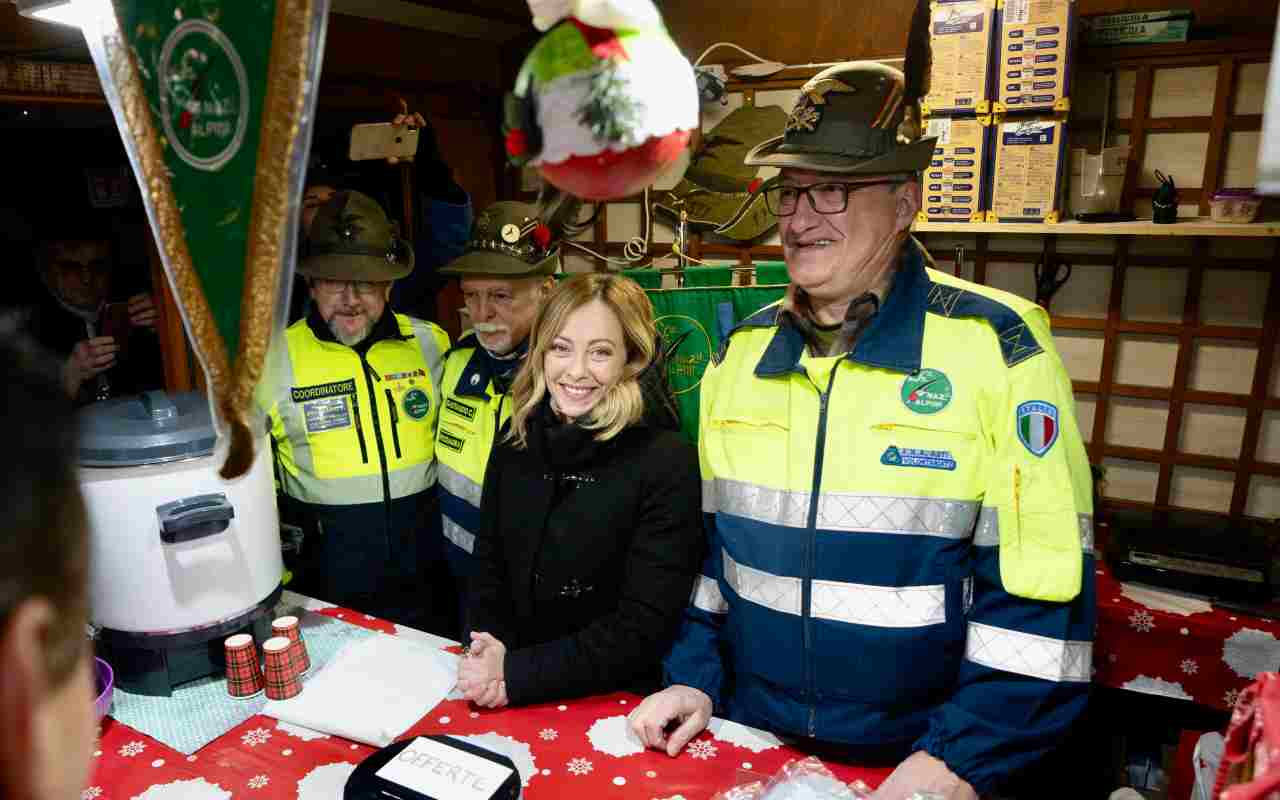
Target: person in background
[
  {"x": 47, "y": 725},
  {"x": 353, "y": 423},
  {"x": 503, "y": 286},
  {"x": 107, "y": 349},
  {"x": 590, "y": 533},
  {"x": 900, "y": 512}
]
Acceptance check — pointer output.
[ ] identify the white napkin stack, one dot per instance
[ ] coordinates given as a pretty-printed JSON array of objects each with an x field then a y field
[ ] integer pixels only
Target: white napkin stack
[{"x": 372, "y": 691}]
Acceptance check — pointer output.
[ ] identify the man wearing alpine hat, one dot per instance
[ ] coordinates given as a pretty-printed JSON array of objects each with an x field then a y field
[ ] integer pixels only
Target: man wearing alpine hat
[
  {"x": 505, "y": 273},
  {"x": 898, "y": 501},
  {"x": 354, "y": 421}
]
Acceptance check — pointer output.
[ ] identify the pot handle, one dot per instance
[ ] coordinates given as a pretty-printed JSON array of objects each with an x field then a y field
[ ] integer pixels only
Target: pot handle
[{"x": 194, "y": 517}]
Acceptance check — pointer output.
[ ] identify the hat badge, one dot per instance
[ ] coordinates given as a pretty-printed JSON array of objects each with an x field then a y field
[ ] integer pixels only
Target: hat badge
[
  {"x": 510, "y": 233},
  {"x": 808, "y": 112}
]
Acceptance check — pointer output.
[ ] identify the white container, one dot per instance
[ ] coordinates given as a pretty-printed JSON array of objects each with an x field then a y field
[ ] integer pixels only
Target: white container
[
  {"x": 1101, "y": 181},
  {"x": 173, "y": 546}
]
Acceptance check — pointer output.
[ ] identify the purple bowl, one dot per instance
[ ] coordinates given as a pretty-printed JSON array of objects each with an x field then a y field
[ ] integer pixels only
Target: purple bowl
[{"x": 104, "y": 685}]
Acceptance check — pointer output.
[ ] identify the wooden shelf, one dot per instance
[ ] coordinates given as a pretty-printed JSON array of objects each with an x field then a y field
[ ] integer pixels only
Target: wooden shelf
[{"x": 1201, "y": 226}]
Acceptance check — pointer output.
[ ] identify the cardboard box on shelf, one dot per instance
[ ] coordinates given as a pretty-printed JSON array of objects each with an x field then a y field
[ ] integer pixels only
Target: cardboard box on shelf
[
  {"x": 1033, "y": 71},
  {"x": 956, "y": 182},
  {"x": 1029, "y": 168},
  {"x": 962, "y": 34}
]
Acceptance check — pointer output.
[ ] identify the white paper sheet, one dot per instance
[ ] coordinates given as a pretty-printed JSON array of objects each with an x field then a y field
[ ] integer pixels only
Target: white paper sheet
[{"x": 372, "y": 691}]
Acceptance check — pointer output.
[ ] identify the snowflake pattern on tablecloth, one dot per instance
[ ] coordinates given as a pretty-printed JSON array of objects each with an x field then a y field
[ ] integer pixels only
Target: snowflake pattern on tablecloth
[
  {"x": 1142, "y": 621},
  {"x": 255, "y": 737},
  {"x": 548, "y": 734},
  {"x": 1189, "y": 666},
  {"x": 1230, "y": 697},
  {"x": 132, "y": 749},
  {"x": 258, "y": 781},
  {"x": 91, "y": 793},
  {"x": 702, "y": 750},
  {"x": 1249, "y": 651},
  {"x": 579, "y": 766}
]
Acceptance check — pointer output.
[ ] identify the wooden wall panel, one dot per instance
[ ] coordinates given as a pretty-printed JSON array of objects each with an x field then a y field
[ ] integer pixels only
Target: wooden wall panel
[
  {"x": 1264, "y": 497},
  {"x": 1155, "y": 294},
  {"x": 1085, "y": 294},
  {"x": 1219, "y": 365},
  {"x": 1234, "y": 297},
  {"x": 1146, "y": 360},
  {"x": 1183, "y": 92},
  {"x": 1242, "y": 159},
  {"x": 1181, "y": 156},
  {"x": 1206, "y": 489},
  {"x": 1133, "y": 422},
  {"x": 1269, "y": 438},
  {"x": 1131, "y": 480},
  {"x": 1251, "y": 88},
  {"x": 1081, "y": 353},
  {"x": 1212, "y": 431}
]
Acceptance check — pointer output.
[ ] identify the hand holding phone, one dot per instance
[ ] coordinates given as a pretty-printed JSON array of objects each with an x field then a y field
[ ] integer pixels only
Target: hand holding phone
[{"x": 383, "y": 140}]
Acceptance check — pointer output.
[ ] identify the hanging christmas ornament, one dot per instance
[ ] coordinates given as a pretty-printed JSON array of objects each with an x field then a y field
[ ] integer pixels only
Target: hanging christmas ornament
[{"x": 605, "y": 99}]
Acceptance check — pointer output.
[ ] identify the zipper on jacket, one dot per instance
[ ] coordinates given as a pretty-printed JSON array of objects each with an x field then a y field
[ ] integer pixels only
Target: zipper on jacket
[
  {"x": 811, "y": 545},
  {"x": 355, "y": 412},
  {"x": 395, "y": 422},
  {"x": 382, "y": 450}
]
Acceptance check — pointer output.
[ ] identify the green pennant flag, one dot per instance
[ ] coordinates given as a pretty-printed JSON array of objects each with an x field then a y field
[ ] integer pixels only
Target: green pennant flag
[{"x": 214, "y": 100}]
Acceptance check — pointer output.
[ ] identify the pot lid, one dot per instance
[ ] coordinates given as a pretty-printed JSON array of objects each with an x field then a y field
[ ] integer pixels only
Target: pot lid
[{"x": 149, "y": 428}]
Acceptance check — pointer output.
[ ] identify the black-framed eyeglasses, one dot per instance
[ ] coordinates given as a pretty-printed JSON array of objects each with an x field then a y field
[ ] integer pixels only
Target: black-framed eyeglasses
[{"x": 828, "y": 197}]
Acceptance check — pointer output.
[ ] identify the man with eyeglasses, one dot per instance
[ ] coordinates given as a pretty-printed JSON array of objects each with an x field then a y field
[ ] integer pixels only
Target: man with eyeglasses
[
  {"x": 898, "y": 501},
  {"x": 102, "y": 356},
  {"x": 353, "y": 423},
  {"x": 505, "y": 272}
]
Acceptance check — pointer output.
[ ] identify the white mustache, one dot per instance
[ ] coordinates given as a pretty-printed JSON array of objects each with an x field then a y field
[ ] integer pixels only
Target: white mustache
[{"x": 489, "y": 327}]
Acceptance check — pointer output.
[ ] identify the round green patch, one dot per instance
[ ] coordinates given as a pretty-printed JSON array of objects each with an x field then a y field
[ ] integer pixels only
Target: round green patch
[
  {"x": 926, "y": 392},
  {"x": 416, "y": 403},
  {"x": 692, "y": 353}
]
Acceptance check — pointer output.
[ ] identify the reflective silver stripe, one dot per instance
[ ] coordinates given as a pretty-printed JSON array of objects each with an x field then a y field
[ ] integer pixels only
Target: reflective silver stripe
[
  {"x": 1086, "y": 533},
  {"x": 987, "y": 534},
  {"x": 919, "y": 516},
  {"x": 459, "y": 535},
  {"x": 707, "y": 596},
  {"x": 880, "y": 606},
  {"x": 435, "y": 364},
  {"x": 709, "y": 505},
  {"x": 763, "y": 588},
  {"x": 861, "y": 604},
  {"x": 1028, "y": 654},
  {"x": 459, "y": 485},
  {"x": 308, "y": 488}
]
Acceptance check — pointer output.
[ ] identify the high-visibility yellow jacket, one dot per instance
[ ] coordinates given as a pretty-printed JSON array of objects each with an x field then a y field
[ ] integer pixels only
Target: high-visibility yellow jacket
[
  {"x": 900, "y": 538},
  {"x": 474, "y": 410},
  {"x": 356, "y": 426}
]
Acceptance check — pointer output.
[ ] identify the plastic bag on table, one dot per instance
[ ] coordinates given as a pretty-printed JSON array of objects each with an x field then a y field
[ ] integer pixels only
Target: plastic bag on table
[{"x": 803, "y": 779}]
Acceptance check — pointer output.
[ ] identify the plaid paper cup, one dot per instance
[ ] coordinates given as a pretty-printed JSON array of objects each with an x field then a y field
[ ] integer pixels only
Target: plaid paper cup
[
  {"x": 282, "y": 677},
  {"x": 289, "y": 628},
  {"x": 244, "y": 676}
]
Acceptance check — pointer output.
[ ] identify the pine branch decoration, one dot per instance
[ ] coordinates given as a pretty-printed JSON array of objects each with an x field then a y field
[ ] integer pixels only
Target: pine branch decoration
[{"x": 609, "y": 112}]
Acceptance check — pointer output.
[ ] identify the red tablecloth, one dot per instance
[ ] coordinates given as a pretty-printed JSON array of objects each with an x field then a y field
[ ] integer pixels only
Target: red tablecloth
[
  {"x": 261, "y": 759},
  {"x": 1157, "y": 643}
]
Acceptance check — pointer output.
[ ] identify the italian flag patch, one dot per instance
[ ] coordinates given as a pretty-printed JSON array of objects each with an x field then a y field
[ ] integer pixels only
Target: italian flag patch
[{"x": 1038, "y": 426}]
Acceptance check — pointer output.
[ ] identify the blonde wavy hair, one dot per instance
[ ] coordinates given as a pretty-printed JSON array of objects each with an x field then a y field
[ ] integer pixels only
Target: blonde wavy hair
[{"x": 623, "y": 402}]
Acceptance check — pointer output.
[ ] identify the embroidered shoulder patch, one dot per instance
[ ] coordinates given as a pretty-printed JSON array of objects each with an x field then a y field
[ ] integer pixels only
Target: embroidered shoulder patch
[
  {"x": 1037, "y": 426},
  {"x": 1017, "y": 342}
]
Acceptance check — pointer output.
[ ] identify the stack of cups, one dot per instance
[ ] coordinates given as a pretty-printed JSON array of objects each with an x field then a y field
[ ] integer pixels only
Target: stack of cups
[
  {"x": 283, "y": 673},
  {"x": 244, "y": 677},
  {"x": 289, "y": 628}
]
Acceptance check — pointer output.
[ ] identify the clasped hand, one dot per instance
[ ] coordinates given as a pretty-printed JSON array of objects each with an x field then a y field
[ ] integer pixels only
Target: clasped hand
[{"x": 480, "y": 672}]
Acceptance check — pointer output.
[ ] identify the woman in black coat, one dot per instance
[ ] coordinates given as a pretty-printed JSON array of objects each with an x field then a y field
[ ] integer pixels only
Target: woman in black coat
[{"x": 591, "y": 531}]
